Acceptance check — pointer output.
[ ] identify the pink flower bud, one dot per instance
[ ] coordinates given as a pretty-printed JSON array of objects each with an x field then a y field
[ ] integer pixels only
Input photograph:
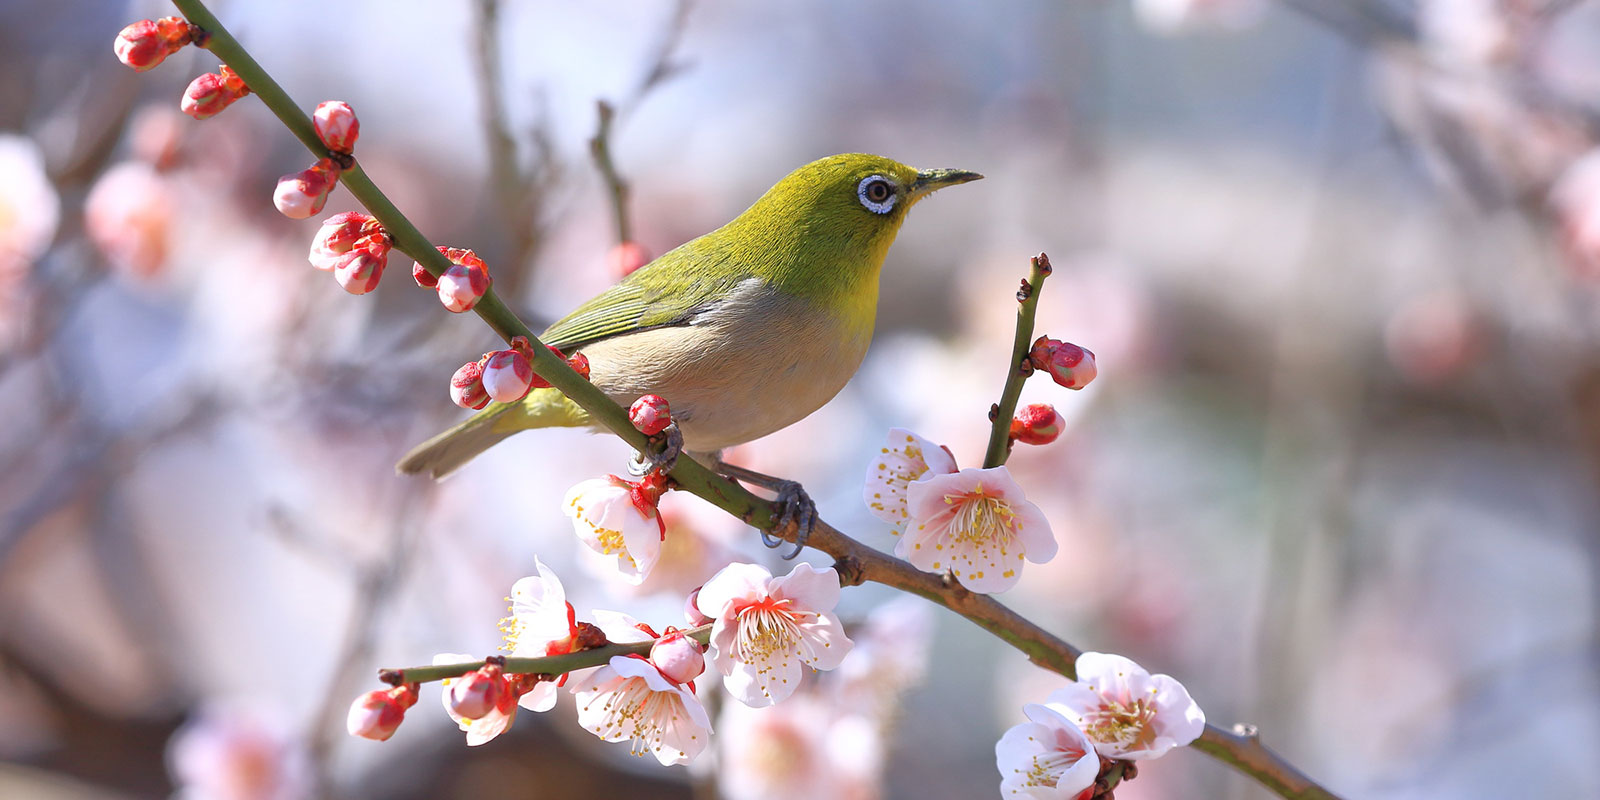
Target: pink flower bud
[
  {"x": 580, "y": 364},
  {"x": 507, "y": 376},
  {"x": 304, "y": 193},
  {"x": 378, "y": 713},
  {"x": 466, "y": 386},
  {"x": 464, "y": 284},
  {"x": 474, "y": 696},
  {"x": 210, "y": 93},
  {"x": 650, "y": 414},
  {"x": 1038, "y": 423},
  {"x": 1068, "y": 364},
  {"x": 626, "y": 257},
  {"x": 146, "y": 43},
  {"x": 360, "y": 270},
  {"x": 336, "y": 125},
  {"x": 423, "y": 277},
  {"x": 338, "y": 235},
  {"x": 678, "y": 657},
  {"x": 692, "y": 612}
]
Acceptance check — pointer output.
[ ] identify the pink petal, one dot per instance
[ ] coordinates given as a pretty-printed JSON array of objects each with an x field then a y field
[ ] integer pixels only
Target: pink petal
[
  {"x": 735, "y": 582},
  {"x": 811, "y": 589}
]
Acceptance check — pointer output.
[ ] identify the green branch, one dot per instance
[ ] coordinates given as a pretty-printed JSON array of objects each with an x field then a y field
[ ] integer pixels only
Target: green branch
[
  {"x": 856, "y": 562},
  {"x": 1019, "y": 368},
  {"x": 548, "y": 665}
]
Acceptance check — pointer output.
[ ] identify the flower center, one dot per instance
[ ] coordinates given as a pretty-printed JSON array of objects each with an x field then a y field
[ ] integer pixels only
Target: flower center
[
  {"x": 1127, "y": 726},
  {"x": 1049, "y": 766},
  {"x": 982, "y": 517},
  {"x": 611, "y": 544},
  {"x": 640, "y": 714},
  {"x": 766, "y": 626}
]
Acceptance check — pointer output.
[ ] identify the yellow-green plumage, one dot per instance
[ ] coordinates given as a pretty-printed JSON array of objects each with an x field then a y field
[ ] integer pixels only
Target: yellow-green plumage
[{"x": 744, "y": 330}]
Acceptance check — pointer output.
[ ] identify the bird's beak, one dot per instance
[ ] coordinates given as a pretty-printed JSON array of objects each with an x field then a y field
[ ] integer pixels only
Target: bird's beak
[{"x": 931, "y": 180}]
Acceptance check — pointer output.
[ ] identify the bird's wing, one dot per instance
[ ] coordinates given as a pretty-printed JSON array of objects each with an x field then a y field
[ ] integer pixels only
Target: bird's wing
[{"x": 660, "y": 294}]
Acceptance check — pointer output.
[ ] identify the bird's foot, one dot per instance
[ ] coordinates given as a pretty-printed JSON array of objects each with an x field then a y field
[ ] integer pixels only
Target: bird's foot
[
  {"x": 796, "y": 508},
  {"x": 660, "y": 455}
]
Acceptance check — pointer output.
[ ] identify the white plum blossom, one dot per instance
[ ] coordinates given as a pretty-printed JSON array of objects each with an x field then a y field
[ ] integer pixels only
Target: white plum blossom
[
  {"x": 485, "y": 728},
  {"x": 904, "y": 458},
  {"x": 976, "y": 524},
  {"x": 1048, "y": 758},
  {"x": 1127, "y": 712},
  {"x": 808, "y": 747},
  {"x": 889, "y": 657},
  {"x": 231, "y": 752},
  {"x": 611, "y": 519},
  {"x": 628, "y": 699},
  {"x": 542, "y": 623},
  {"x": 765, "y": 628}
]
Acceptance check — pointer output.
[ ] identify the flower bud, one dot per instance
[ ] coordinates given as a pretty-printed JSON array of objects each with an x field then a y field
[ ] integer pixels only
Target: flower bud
[
  {"x": 466, "y": 386},
  {"x": 146, "y": 43},
  {"x": 650, "y": 414},
  {"x": 507, "y": 376},
  {"x": 678, "y": 657},
  {"x": 462, "y": 286},
  {"x": 304, "y": 193},
  {"x": 1038, "y": 423},
  {"x": 338, "y": 236},
  {"x": 624, "y": 258},
  {"x": 210, "y": 93},
  {"x": 692, "y": 612},
  {"x": 336, "y": 125},
  {"x": 580, "y": 364},
  {"x": 423, "y": 277},
  {"x": 474, "y": 696},
  {"x": 1068, "y": 364},
  {"x": 360, "y": 270},
  {"x": 378, "y": 713}
]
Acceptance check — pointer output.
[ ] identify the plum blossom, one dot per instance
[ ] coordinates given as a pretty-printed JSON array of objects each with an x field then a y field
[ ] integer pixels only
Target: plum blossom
[
  {"x": 617, "y": 518},
  {"x": 766, "y": 627},
  {"x": 128, "y": 215},
  {"x": 628, "y": 699},
  {"x": 542, "y": 623},
  {"x": 1048, "y": 758},
  {"x": 1127, "y": 712},
  {"x": 904, "y": 459},
  {"x": 976, "y": 524},
  {"x": 483, "y": 729},
  {"x": 889, "y": 657},
  {"x": 237, "y": 754},
  {"x": 808, "y": 747}
]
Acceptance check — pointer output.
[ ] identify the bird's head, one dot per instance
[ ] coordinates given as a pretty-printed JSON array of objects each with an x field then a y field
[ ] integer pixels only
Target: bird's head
[{"x": 839, "y": 215}]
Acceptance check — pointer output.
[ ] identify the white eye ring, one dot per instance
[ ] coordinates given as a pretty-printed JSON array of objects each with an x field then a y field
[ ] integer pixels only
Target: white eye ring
[{"x": 876, "y": 206}]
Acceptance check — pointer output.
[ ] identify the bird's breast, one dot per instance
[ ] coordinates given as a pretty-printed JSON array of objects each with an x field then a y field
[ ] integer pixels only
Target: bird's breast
[{"x": 756, "y": 361}]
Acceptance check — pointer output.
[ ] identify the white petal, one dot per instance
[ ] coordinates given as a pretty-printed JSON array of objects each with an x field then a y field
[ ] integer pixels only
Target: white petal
[
  {"x": 824, "y": 642},
  {"x": 811, "y": 589},
  {"x": 735, "y": 582},
  {"x": 905, "y": 457},
  {"x": 763, "y": 683},
  {"x": 619, "y": 627},
  {"x": 542, "y": 697}
]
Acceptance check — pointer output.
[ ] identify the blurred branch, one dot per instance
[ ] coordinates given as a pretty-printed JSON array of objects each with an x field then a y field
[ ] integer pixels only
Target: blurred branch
[
  {"x": 519, "y": 185},
  {"x": 1019, "y": 368},
  {"x": 616, "y": 187},
  {"x": 855, "y": 562}
]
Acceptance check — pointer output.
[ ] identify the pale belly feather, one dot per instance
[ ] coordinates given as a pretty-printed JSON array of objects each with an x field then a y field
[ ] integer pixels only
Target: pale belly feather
[{"x": 758, "y": 362}]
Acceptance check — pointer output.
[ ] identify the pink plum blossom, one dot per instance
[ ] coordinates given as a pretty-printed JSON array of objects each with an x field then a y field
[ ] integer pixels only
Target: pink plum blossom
[
  {"x": 608, "y": 517},
  {"x": 976, "y": 524},
  {"x": 1048, "y": 758},
  {"x": 236, "y": 754},
  {"x": 1127, "y": 712},
  {"x": 808, "y": 747},
  {"x": 904, "y": 458},
  {"x": 542, "y": 623},
  {"x": 483, "y": 729},
  {"x": 629, "y": 700},
  {"x": 765, "y": 628}
]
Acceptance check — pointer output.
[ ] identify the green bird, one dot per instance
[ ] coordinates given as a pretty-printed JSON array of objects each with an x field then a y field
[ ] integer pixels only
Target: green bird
[{"x": 745, "y": 330}]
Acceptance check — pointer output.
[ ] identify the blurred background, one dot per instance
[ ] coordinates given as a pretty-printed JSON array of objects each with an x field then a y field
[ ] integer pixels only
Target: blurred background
[{"x": 1339, "y": 259}]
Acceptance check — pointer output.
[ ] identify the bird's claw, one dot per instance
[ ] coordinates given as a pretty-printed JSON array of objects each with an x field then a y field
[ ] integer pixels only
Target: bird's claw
[
  {"x": 797, "y": 510},
  {"x": 661, "y": 454}
]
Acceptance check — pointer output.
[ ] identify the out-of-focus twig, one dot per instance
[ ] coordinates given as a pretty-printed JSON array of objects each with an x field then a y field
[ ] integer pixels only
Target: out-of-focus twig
[{"x": 616, "y": 187}]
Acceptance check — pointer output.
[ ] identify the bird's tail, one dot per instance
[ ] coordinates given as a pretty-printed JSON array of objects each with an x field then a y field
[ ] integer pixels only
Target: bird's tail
[{"x": 449, "y": 451}]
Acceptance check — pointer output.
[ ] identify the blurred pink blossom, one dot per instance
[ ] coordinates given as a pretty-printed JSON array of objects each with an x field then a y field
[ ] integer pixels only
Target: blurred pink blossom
[
  {"x": 129, "y": 216},
  {"x": 803, "y": 749},
  {"x": 231, "y": 754}
]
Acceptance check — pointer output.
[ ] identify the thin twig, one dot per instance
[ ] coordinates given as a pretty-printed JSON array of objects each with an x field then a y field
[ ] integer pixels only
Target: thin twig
[
  {"x": 856, "y": 562},
  {"x": 1018, "y": 368},
  {"x": 546, "y": 665},
  {"x": 616, "y": 187}
]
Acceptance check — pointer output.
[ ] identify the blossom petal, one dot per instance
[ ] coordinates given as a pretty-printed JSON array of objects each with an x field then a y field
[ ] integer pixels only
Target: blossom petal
[
  {"x": 904, "y": 458},
  {"x": 763, "y": 683},
  {"x": 618, "y": 627},
  {"x": 824, "y": 642},
  {"x": 808, "y": 587},
  {"x": 732, "y": 583}
]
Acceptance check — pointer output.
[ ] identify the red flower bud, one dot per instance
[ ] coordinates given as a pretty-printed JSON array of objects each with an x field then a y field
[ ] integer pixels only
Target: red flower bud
[
  {"x": 336, "y": 125},
  {"x": 507, "y": 376},
  {"x": 423, "y": 277},
  {"x": 378, "y": 713},
  {"x": 1038, "y": 423},
  {"x": 626, "y": 257},
  {"x": 304, "y": 193},
  {"x": 212, "y": 92},
  {"x": 464, "y": 284},
  {"x": 1068, "y": 364},
  {"x": 650, "y": 414},
  {"x": 146, "y": 43},
  {"x": 580, "y": 364},
  {"x": 475, "y": 695},
  {"x": 466, "y": 386},
  {"x": 679, "y": 658},
  {"x": 360, "y": 270},
  {"x": 342, "y": 233}
]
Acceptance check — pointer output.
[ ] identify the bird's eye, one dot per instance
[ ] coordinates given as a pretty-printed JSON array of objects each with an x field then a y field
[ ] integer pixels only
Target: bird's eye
[{"x": 876, "y": 193}]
